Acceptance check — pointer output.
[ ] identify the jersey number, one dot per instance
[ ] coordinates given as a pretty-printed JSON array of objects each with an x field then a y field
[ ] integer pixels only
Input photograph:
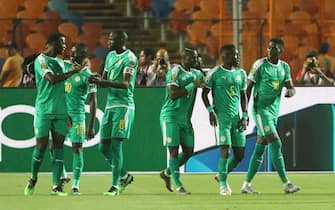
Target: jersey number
[
  {"x": 68, "y": 87},
  {"x": 111, "y": 74},
  {"x": 232, "y": 90},
  {"x": 275, "y": 84},
  {"x": 80, "y": 129}
]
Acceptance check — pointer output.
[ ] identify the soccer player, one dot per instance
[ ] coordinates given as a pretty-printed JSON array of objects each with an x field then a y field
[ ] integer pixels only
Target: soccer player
[
  {"x": 228, "y": 84},
  {"x": 77, "y": 90},
  {"x": 51, "y": 112},
  {"x": 268, "y": 76},
  {"x": 175, "y": 116},
  {"x": 119, "y": 76}
]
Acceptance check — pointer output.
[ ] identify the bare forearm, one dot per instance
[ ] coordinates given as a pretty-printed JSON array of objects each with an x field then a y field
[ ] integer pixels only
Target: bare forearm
[
  {"x": 107, "y": 83},
  {"x": 53, "y": 79}
]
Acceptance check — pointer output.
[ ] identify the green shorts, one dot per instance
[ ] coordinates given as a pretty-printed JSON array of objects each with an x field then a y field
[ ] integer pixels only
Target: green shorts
[
  {"x": 117, "y": 123},
  {"x": 177, "y": 133},
  {"x": 44, "y": 123},
  {"x": 77, "y": 131},
  {"x": 266, "y": 122},
  {"x": 228, "y": 133}
]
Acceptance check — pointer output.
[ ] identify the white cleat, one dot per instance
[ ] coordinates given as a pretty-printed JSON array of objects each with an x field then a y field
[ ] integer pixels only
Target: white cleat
[
  {"x": 225, "y": 191},
  {"x": 290, "y": 188},
  {"x": 247, "y": 189}
]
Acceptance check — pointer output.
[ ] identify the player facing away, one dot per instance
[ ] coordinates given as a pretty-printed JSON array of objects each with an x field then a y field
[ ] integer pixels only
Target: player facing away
[
  {"x": 228, "y": 84},
  {"x": 119, "y": 76},
  {"x": 78, "y": 89},
  {"x": 267, "y": 77},
  {"x": 175, "y": 117},
  {"x": 51, "y": 112}
]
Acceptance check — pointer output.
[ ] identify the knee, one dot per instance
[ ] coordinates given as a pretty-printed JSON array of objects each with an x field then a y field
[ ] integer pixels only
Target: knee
[
  {"x": 239, "y": 157},
  {"x": 103, "y": 148}
]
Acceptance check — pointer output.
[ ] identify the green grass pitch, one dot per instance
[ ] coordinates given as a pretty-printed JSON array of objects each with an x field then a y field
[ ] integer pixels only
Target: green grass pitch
[{"x": 147, "y": 192}]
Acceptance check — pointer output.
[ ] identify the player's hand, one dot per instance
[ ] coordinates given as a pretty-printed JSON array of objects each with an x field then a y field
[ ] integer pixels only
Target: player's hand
[
  {"x": 289, "y": 93},
  {"x": 77, "y": 67},
  {"x": 90, "y": 134},
  {"x": 242, "y": 124},
  {"x": 199, "y": 84},
  {"x": 213, "y": 119},
  {"x": 96, "y": 78}
]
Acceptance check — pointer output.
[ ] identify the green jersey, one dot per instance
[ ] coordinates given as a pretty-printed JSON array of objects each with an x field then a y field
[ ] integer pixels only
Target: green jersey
[
  {"x": 181, "y": 108},
  {"x": 77, "y": 88},
  {"x": 116, "y": 65},
  {"x": 226, "y": 86},
  {"x": 269, "y": 80},
  {"x": 50, "y": 98}
]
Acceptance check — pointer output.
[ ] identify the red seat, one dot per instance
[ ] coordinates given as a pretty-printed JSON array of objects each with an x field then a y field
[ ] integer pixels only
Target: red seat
[
  {"x": 36, "y": 42},
  {"x": 70, "y": 30},
  {"x": 178, "y": 20},
  {"x": 143, "y": 4}
]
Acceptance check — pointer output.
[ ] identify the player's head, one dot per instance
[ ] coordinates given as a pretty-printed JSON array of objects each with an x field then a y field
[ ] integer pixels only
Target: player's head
[
  {"x": 230, "y": 55},
  {"x": 79, "y": 52},
  {"x": 275, "y": 48},
  {"x": 117, "y": 40},
  {"x": 189, "y": 58},
  {"x": 12, "y": 48},
  {"x": 146, "y": 56},
  {"x": 56, "y": 43},
  {"x": 197, "y": 57}
]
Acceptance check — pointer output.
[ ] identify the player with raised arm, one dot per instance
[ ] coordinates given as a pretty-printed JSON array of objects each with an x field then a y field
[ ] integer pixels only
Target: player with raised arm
[
  {"x": 267, "y": 77},
  {"x": 119, "y": 76},
  {"x": 51, "y": 112},
  {"x": 77, "y": 90},
  {"x": 175, "y": 116},
  {"x": 228, "y": 85}
]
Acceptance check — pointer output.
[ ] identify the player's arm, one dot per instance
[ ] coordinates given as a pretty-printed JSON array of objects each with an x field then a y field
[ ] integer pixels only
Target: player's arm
[
  {"x": 5, "y": 70},
  {"x": 53, "y": 79},
  {"x": 176, "y": 92},
  {"x": 212, "y": 116},
  {"x": 124, "y": 84},
  {"x": 250, "y": 86},
  {"x": 92, "y": 98},
  {"x": 243, "y": 123},
  {"x": 290, "y": 89}
]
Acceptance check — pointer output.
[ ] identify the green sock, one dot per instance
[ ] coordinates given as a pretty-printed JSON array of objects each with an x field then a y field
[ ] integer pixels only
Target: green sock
[
  {"x": 174, "y": 169},
  {"x": 255, "y": 161},
  {"x": 232, "y": 163},
  {"x": 123, "y": 171},
  {"x": 77, "y": 167},
  {"x": 223, "y": 171},
  {"x": 117, "y": 160},
  {"x": 181, "y": 161},
  {"x": 57, "y": 165},
  {"x": 278, "y": 159},
  {"x": 36, "y": 162},
  {"x": 106, "y": 150},
  {"x": 64, "y": 173}
]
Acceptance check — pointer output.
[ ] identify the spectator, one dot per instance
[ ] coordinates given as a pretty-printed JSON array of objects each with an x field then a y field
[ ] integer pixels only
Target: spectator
[
  {"x": 327, "y": 62},
  {"x": 11, "y": 73},
  {"x": 311, "y": 74},
  {"x": 157, "y": 71},
  {"x": 145, "y": 61}
]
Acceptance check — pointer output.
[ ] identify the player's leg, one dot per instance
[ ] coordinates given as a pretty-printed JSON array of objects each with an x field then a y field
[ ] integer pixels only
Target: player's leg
[
  {"x": 59, "y": 131},
  {"x": 77, "y": 166},
  {"x": 42, "y": 127},
  {"x": 77, "y": 136},
  {"x": 106, "y": 136},
  {"x": 225, "y": 143},
  {"x": 129, "y": 116},
  {"x": 57, "y": 162},
  {"x": 238, "y": 145},
  {"x": 256, "y": 159},
  {"x": 278, "y": 162}
]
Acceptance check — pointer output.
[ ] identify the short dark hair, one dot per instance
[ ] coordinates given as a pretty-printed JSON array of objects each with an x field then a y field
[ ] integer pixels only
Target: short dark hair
[
  {"x": 54, "y": 37},
  {"x": 311, "y": 54},
  {"x": 12, "y": 45},
  {"x": 324, "y": 46},
  {"x": 277, "y": 41},
  {"x": 226, "y": 47},
  {"x": 82, "y": 47},
  {"x": 149, "y": 52},
  {"x": 120, "y": 34}
]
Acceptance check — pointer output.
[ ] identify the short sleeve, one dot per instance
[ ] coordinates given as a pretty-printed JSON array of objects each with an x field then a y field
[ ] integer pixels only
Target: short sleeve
[
  {"x": 254, "y": 71},
  {"x": 210, "y": 78},
  {"x": 41, "y": 66},
  {"x": 131, "y": 66},
  {"x": 287, "y": 72},
  {"x": 172, "y": 76}
]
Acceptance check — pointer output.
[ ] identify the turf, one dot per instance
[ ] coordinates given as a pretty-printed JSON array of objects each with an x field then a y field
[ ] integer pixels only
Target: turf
[{"x": 147, "y": 192}]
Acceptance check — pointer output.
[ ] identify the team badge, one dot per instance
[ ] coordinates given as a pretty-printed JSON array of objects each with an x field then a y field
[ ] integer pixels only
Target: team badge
[
  {"x": 36, "y": 131},
  {"x": 282, "y": 72},
  {"x": 77, "y": 79},
  {"x": 168, "y": 139},
  {"x": 223, "y": 138},
  {"x": 267, "y": 128},
  {"x": 238, "y": 78}
]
